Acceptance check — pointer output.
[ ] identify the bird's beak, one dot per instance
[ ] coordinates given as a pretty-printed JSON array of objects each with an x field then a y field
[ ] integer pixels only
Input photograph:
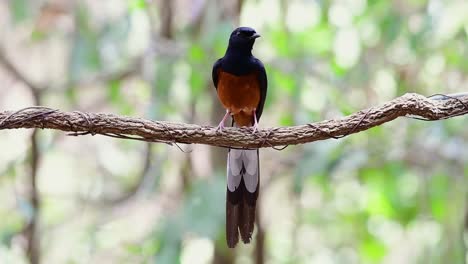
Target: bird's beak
[{"x": 254, "y": 36}]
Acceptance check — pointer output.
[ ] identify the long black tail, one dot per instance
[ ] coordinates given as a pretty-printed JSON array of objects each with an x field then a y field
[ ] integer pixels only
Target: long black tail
[{"x": 243, "y": 176}]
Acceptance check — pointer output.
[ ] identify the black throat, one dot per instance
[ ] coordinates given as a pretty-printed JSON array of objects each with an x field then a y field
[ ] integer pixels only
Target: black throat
[{"x": 239, "y": 59}]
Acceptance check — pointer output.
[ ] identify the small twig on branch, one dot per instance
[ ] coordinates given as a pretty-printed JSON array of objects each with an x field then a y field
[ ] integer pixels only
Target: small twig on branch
[{"x": 409, "y": 105}]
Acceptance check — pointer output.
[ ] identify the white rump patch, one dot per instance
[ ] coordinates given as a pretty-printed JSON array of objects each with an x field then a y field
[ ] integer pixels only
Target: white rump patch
[{"x": 237, "y": 160}]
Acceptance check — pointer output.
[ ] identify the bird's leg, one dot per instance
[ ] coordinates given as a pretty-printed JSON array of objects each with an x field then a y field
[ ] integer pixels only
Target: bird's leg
[
  {"x": 255, "y": 126},
  {"x": 221, "y": 124}
]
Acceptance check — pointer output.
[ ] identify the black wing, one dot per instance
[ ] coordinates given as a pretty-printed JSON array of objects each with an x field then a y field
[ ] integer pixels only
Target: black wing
[
  {"x": 214, "y": 73},
  {"x": 262, "y": 79}
]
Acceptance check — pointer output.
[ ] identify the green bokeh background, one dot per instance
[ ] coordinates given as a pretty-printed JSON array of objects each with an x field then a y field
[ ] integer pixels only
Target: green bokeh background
[{"x": 392, "y": 194}]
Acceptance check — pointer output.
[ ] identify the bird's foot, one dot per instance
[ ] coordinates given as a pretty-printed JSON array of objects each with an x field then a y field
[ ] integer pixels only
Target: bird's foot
[
  {"x": 220, "y": 127},
  {"x": 254, "y": 128}
]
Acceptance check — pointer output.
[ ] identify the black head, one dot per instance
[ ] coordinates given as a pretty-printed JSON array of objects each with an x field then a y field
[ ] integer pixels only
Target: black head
[{"x": 242, "y": 39}]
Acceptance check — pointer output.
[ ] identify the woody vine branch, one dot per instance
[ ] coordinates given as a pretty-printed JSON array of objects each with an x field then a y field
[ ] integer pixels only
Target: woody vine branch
[{"x": 77, "y": 123}]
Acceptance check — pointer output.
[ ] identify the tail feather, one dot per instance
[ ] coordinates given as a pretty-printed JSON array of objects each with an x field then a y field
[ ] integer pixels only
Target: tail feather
[
  {"x": 233, "y": 211},
  {"x": 241, "y": 195},
  {"x": 247, "y": 219}
]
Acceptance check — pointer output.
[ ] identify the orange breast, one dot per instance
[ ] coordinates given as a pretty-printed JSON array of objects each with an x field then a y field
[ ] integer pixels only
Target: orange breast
[{"x": 240, "y": 95}]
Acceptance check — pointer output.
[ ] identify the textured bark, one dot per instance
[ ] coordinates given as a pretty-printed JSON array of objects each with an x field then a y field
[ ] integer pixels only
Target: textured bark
[{"x": 79, "y": 123}]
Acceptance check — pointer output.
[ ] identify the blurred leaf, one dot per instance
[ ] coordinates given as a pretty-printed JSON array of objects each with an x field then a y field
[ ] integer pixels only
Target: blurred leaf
[
  {"x": 337, "y": 69},
  {"x": 37, "y": 35},
  {"x": 197, "y": 83},
  {"x": 20, "y": 10},
  {"x": 455, "y": 55},
  {"x": 391, "y": 26},
  {"x": 439, "y": 188},
  {"x": 320, "y": 179},
  {"x": 196, "y": 53},
  {"x": 286, "y": 119},
  {"x": 373, "y": 249},
  {"x": 12, "y": 224},
  {"x": 378, "y": 203},
  {"x": 9, "y": 172},
  {"x": 280, "y": 42},
  {"x": 114, "y": 91},
  {"x": 318, "y": 40},
  {"x": 388, "y": 194},
  {"x": 135, "y": 5},
  {"x": 150, "y": 247},
  {"x": 283, "y": 81},
  {"x": 71, "y": 94},
  {"x": 134, "y": 249},
  {"x": 197, "y": 78}
]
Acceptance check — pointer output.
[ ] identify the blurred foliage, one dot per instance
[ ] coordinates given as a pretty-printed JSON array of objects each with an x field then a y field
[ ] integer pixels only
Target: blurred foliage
[{"x": 393, "y": 194}]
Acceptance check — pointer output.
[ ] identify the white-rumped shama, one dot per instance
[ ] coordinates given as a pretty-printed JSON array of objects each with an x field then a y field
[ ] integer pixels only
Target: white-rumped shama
[{"x": 241, "y": 83}]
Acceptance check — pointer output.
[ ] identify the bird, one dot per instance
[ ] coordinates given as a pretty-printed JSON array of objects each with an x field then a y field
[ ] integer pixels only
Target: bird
[{"x": 241, "y": 84}]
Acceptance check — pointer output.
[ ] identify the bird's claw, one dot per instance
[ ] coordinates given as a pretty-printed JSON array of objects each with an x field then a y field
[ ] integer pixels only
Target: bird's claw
[
  {"x": 219, "y": 128},
  {"x": 254, "y": 129},
  {"x": 255, "y": 126}
]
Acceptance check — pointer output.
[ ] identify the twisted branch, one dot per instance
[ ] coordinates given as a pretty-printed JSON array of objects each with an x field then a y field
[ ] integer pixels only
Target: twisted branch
[{"x": 78, "y": 123}]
